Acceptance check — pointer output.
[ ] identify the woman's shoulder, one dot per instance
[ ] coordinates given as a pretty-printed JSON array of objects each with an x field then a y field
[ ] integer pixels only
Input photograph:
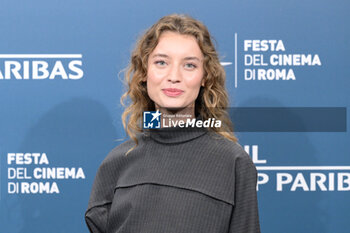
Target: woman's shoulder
[
  {"x": 119, "y": 152},
  {"x": 107, "y": 174},
  {"x": 121, "y": 149},
  {"x": 231, "y": 150}
]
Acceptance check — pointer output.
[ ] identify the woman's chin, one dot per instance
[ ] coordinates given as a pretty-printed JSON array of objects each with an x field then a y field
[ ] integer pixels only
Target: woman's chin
[{"x": 173, "y": 108}]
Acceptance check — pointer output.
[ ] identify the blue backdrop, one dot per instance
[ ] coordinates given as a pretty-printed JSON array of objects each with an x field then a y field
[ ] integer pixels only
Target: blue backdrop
[{"x": 59, "y": 103}]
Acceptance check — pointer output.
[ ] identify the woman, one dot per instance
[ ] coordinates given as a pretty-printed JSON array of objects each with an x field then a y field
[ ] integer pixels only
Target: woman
[{"x": 186, "y": 178}]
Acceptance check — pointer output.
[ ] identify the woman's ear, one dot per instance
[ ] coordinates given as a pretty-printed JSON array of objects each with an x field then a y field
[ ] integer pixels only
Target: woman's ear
[
  {"x": 144, "y": 79},
  {"x": 203, "y": 82}
]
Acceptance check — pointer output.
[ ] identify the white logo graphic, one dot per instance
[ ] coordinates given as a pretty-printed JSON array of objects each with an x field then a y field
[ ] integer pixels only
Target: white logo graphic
[
  {"x": 41, "y": 66},
  {"x": 151, "y": 119}
]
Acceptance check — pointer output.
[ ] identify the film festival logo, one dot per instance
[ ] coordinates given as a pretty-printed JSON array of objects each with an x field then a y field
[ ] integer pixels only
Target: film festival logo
[
  {"x": 269, "y": 60},
  {"x": 41, "y": 66}
]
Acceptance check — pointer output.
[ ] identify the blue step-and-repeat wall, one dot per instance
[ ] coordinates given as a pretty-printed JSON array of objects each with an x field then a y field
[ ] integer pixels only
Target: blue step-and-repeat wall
[{"x": 60, "y": 84}]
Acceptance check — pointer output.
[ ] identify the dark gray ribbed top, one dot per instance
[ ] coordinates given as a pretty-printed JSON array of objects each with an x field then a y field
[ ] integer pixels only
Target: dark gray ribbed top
[{"x": 180, "y": 180}]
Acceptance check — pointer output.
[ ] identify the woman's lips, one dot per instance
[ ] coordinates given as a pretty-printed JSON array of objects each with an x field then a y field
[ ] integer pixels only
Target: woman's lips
[{"x": 172, "y": 92}]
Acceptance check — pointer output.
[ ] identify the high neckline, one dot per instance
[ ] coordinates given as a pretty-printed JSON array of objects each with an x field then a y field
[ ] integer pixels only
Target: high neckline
[{"x": 176, "y": 134}]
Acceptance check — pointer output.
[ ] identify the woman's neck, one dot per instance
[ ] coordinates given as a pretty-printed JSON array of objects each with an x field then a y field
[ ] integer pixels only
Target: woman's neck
[{"x": 177, "y": 115}]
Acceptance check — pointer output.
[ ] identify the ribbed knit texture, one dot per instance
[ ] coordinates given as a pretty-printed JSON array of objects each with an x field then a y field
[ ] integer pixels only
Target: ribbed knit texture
[{"x": 177, "y": 180}]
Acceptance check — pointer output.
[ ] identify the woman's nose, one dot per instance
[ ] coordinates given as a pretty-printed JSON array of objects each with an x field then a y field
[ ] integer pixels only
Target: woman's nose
[{"x": 174, "y": 74}]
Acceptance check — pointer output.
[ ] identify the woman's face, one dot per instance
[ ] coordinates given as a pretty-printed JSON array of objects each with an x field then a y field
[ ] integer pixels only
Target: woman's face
[{"x": 175, "y": 71}]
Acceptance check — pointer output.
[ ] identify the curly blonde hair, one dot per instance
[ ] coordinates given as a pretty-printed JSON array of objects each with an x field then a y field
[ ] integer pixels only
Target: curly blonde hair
[{"x": 212, "y": 100}]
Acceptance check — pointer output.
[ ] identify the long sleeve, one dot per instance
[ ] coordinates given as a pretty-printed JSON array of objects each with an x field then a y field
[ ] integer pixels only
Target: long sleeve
[
  {"x": 96, "y": 218},
  {"x": 102, "y": 193},
  {"x": 175, "y": 180},
  {"x": 245, "y": 217},
  {"x": 101, "y": 196}
]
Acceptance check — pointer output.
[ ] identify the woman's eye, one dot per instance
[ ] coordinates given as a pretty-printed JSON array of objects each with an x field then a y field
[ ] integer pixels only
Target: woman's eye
[
  {"x": 190, "y": 66},
  {"x": 160, "y": 63}
]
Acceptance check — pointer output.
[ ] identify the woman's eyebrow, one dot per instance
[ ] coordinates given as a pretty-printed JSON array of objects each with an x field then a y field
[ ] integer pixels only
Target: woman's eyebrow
[
  {"x": 192, "y": 58},
  {"x": 186, "y": 58},
  {"x": 160, "y": 55}
]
